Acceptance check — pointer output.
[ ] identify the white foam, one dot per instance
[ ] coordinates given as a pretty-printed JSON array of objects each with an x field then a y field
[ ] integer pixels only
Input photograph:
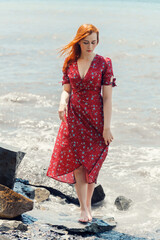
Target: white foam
[{"x": 26, "y": 98}]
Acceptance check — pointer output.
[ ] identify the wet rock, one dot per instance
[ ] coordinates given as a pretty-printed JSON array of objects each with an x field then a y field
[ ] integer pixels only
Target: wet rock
[
  {"x": 27, "y": 219},
  {"x": 68, "y": 221},
  {"x": 21, "y": 186},
  {"x": 98, "y": 194},
  {"x": 113, "y": 235},
  {"x": 96, "y": 226},
  {"x": 13, "y": 204},
  {"x": 10, "y": 159},
  {"x": 122, "y": 203},
  {"x": 6, "y": 225},
  {"x": 41, "y": 194}
]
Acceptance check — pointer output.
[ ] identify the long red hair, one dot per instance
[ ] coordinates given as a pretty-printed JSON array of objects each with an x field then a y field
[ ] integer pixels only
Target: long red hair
[{"x": 73, "y": 49}]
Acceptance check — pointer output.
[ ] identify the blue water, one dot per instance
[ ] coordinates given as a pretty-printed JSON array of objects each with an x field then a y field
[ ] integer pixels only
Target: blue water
[{"x": 30, "y": 72}]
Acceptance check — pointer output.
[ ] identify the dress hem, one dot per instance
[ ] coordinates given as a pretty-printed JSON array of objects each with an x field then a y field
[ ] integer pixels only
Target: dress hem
[{"x": 56, "y": 178}]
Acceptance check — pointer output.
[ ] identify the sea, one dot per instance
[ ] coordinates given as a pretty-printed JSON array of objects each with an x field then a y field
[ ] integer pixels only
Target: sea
[{"x": 31, "y": 34}]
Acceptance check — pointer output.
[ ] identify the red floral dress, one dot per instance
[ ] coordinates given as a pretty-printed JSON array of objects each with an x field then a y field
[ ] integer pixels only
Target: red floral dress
[{"x": 80, "y": 139}]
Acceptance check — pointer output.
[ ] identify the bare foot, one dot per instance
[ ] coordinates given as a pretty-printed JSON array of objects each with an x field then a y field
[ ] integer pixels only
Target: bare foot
[
  {"x": 84, "y": 216},
  {"x": 90, "y": 214}
]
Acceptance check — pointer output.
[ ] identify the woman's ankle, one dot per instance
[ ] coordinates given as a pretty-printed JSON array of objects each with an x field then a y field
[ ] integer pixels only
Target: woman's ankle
[
  {"x": 88, "y": 205},
  {"x": 83, "y": 208}
]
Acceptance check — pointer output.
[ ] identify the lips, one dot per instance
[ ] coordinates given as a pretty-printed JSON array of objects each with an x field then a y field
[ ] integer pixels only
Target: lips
[{"x": 89, "y": 50}]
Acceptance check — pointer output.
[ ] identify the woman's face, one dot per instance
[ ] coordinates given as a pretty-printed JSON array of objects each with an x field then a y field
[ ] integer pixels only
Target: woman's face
[{"x": 88, "y": 43}]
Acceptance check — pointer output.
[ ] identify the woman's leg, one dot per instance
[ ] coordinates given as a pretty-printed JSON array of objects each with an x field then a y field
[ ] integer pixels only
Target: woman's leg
[
  {"x": 90, "y": 191},
  {"x": 81, "y": 189}
]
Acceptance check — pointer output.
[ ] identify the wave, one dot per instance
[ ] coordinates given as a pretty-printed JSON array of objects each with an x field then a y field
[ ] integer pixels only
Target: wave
[{"x": 26, "y": 98}]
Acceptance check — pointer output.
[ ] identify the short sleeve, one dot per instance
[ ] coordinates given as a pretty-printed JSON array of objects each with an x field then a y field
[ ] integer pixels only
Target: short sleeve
[
  {"x": 107, "y": 74},
  {"x": 65, "y": 78}
]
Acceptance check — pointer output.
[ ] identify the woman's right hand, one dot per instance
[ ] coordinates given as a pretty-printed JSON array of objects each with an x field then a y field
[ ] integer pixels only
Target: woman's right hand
[
  {"x": 107, "y": 135},
  {"x": 61, "y": 111}
]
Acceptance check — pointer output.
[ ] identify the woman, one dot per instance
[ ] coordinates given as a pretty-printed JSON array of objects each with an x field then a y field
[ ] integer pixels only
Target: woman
[{"x": 84, "y": 135}]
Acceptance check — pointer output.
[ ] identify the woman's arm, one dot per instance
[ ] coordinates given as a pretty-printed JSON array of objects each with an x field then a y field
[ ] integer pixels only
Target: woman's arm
[
  {"x": 107, "y": 111},
  {"x": 64, "y": 101}
]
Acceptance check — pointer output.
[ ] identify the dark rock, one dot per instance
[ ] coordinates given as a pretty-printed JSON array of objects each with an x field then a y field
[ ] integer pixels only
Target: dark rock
[
  {"x": 22, "y": 187},
  {"x": 13, "y": 204},
  {"x": 98, "y": 194},
  {"x": 90, "y": 228},
  {"x": 113, "y": 235},
  {"x": 10, "y": 159},
  {"x": 27, "y": 219},
  {"x": 20, "y": 180},
  {"x": 6, "y": 225},
  {"x": 122, "y": 203},
  {"x": 28, "y": 191},
  {"x": 96, "y": 226}
]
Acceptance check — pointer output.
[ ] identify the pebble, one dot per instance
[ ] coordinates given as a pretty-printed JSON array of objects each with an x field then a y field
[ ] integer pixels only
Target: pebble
[{"x": 38, "y": 231}]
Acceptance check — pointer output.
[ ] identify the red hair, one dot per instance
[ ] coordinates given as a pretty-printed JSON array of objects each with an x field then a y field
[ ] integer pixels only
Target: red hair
[{"x": 73, "y": 49}]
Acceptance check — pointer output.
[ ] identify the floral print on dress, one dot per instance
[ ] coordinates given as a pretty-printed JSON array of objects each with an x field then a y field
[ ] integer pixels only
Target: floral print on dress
[{"x": 80, "y": 138}]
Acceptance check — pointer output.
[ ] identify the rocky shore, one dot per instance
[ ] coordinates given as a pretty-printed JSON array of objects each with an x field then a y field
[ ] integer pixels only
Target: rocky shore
[
  {"x": 55, "y": 216},
  {"x": 33, "y": 211}
]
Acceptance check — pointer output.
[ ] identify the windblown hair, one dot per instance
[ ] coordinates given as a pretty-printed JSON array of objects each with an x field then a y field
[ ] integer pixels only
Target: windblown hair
[{"x": 72, "y": 49}]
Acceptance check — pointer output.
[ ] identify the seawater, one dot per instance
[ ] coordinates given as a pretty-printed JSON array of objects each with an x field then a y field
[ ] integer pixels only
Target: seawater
[{"x": 32, "y": 32}]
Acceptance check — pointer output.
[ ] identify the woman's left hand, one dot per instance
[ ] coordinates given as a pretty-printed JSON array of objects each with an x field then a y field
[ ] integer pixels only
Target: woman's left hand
[{"x": 107, "y": 135}]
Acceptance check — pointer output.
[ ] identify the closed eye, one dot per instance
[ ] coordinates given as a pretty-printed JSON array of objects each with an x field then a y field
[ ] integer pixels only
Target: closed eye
[{"x": 91, "y": 42}]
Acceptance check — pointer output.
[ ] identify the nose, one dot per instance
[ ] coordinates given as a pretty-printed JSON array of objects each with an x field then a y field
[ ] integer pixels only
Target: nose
[{"x": 89, "y": 46}]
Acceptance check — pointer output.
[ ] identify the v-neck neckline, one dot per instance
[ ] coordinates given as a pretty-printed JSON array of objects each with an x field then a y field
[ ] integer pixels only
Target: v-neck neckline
[{"x": 88, "y": 68}]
